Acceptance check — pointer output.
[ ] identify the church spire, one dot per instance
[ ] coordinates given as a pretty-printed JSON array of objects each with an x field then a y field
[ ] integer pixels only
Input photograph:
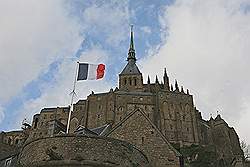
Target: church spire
[{"x": 131, "y": 52}]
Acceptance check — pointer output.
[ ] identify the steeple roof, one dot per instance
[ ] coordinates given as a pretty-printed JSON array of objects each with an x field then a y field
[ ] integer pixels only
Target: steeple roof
[
  {"x": 131, "y": 52},
  {"x": 131, "y": 67}
]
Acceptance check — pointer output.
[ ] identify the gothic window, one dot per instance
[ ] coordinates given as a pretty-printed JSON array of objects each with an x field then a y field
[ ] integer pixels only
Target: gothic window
[
  {"x": 130, "y": 81},
  {"x": 36, "y": 121},
  {"x": 188, "y": 129},
  {"x": 9, "y": 141},
  {"x": 17, "y": 141},
  {"x": 142, "y": 140},
  {"x": 125, "y": 81},
  {"x": 183, "y": 117},
  {"x": 171, "y": 127},
  {"x": 135, "y": 81}
]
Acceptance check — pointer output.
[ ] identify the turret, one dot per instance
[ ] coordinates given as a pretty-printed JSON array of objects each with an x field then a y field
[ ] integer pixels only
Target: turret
[
  {"x": 182, "y": 90},
  {"x": 171, "y": 88},
  {"x": 166, "y": 79},
  {"x": 148, "y": 80},
  {"x": 176, "y": 86},
  {"x": 156, "y": 80}
]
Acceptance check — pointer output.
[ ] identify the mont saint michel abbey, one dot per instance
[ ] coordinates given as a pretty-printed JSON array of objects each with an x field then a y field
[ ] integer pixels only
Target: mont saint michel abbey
[{"x": 136, "y": 124}]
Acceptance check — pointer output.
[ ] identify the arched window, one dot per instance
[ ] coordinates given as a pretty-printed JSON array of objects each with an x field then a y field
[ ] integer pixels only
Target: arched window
[
  {"x": 17, "y": 141},
  {"x": 130, "y": 81},
  {"x": 142, "y": 140},
  {"x": 171, "y": 127},
  {"x": 36, "y": 121},
  {"x": 125, "y": 81},
  {"x": 135, "y": 81},
  {"x": 9, "y": 141}
]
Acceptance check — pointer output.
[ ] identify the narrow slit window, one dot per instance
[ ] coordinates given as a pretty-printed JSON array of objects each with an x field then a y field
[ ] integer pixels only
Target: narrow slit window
[{"x": 142, "y": 140}]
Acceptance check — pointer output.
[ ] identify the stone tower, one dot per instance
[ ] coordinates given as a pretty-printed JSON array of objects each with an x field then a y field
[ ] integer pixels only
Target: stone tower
[{"x": 130, "y": 79}]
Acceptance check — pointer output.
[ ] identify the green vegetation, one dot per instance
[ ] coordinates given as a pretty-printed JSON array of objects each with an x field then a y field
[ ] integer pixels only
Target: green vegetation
[{"x": 199, "y": 156}]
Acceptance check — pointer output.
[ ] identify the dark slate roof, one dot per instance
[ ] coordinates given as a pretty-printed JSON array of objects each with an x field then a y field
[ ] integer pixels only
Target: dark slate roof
[
  {"x": 131, "y": 68},
  {"x": 82, "y": 130},
  {"x": 102, "y": 129}
]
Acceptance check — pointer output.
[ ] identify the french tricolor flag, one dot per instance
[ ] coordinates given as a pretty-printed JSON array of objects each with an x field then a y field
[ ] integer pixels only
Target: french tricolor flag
[{"x": 90, "y": 71}]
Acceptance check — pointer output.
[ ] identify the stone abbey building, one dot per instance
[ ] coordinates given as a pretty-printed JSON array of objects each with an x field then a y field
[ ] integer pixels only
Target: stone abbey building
[{"x": 148, "y": 123}]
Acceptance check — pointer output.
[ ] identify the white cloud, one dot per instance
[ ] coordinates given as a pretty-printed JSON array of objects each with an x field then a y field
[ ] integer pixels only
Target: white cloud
[
  {"x": 146, "y": 29},
  {"x": 108, "y": 18},
  {"x": 206, "y": 47},
  {"x": 58, "y": 94},
  {"x": 53, "y": 34},
  {"x": 33, "y": 34}
]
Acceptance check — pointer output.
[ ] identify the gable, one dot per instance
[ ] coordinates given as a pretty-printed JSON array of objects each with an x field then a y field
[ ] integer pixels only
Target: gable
[{"x": 138, "y": 130}]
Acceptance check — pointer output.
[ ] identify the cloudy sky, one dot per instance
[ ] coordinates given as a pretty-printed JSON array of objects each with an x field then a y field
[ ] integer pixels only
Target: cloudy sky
[{"x": 205, "y": 45}]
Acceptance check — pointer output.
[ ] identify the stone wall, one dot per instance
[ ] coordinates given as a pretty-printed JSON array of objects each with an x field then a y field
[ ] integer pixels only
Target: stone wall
[
  {"x": 178, "y": 117},
  {"x": 137, "y": 129},
  {"x": 216, "y": 132},
  {"x": 41, "y": 122},
  {"x": 81, "y": 151},
  {"x": 15, "y": 138},
  {"x": 171, "y": 111}
]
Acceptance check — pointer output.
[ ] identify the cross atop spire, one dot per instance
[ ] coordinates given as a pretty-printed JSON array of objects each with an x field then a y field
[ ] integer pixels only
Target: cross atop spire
[{"x": 131, "y": 52}]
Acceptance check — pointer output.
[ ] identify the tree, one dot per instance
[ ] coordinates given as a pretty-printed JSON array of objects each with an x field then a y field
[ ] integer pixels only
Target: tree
[{"x": 245, "y": 148}]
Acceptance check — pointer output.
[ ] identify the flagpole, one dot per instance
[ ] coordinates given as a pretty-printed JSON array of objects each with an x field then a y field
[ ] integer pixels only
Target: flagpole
[{"x": 73, "y": 93}]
